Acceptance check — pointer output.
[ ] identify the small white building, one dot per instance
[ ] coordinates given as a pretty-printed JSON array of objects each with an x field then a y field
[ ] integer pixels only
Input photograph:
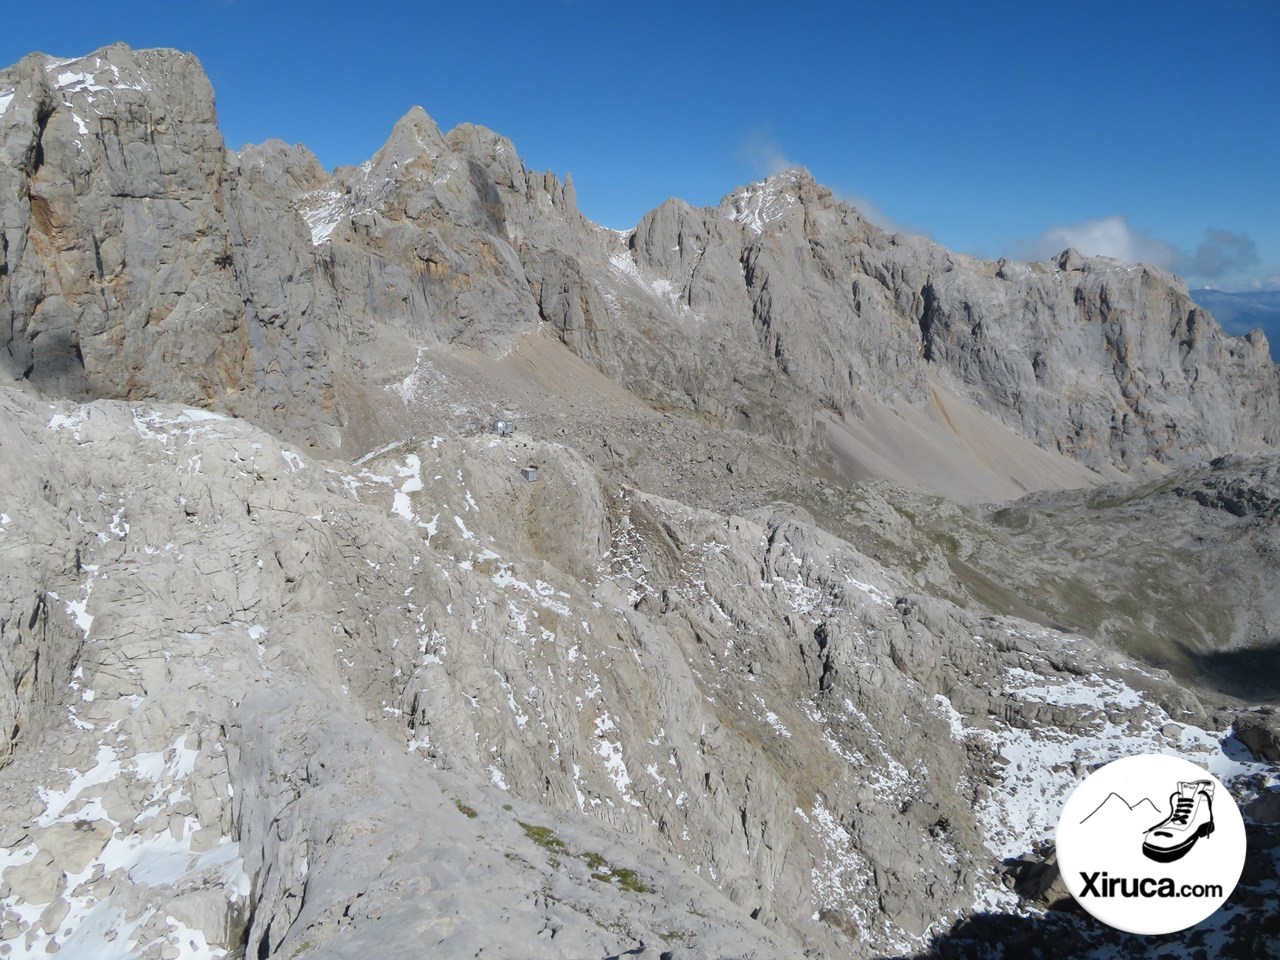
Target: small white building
[{"x": 530, "y": 473}]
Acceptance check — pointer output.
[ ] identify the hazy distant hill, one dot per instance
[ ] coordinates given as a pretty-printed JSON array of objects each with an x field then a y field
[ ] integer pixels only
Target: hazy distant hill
[{"x": 1241, "y": 312}]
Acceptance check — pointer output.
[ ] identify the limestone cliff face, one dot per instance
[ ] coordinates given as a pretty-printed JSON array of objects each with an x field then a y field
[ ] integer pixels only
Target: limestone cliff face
[
  {"x": 135, "y": 264},
  {"x": 1107, "y": 362},
  {"x": 142, "y": 259}
]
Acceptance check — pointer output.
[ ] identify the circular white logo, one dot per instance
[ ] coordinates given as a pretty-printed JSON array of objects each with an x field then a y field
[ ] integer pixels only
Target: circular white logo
[{"x": 1150, "y": 844}]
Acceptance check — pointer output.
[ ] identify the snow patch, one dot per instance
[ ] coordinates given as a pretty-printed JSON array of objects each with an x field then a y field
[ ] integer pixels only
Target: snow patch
[
  {"x": 71, "y": 81},
  {"x": 413, "y": 387},
  {"x": 78, "y": 610},
  {"x": 322, "y": 210},
  {"x": 763, "y": 203},
  {"x": 1040, "y": 768},
  {"x": 106, "y": 767},
  {"x": 843, "y": 881},
  {"x": 62, "y": 422},
  {"x": 610, "y": 751},
  {"x": 379, "y": 452}
]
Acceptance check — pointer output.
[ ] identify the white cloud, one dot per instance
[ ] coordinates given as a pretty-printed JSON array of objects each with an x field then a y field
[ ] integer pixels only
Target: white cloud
[
  {"x": 765, "y": 156},
  {"x": 1107, "y": 237},
  {"x": 1265, "y": 282},
  {"x": 872, "y": 213}
]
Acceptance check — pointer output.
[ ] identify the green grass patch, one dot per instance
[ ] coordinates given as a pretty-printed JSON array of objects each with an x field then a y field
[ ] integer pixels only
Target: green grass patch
[
  {"x": 628, "y": 880},
  {"x": 544, "y": 837},
  {"x": 465, "y": 809},
  {"x": 601, "y": 869}
]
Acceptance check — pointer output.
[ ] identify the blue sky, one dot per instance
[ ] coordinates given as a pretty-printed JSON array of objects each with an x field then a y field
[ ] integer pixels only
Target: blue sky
[{"x": 1147, "y": 130}]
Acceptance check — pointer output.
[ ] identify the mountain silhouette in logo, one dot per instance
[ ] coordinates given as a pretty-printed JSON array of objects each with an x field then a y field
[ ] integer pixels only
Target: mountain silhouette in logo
[{"x": 1117, "y": 809}]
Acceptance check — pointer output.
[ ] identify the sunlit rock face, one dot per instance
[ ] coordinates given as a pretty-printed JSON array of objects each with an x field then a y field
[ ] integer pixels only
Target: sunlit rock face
[{"x": 302, "y": 658}]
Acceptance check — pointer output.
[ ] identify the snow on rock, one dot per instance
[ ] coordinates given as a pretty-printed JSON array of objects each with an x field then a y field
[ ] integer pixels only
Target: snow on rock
[
  {"x": 414, "y": 387},
  {"x": 760, "y": 204},
  {"x": 78, "y": 609},
  {"x": 323, "y": 210},
  {"x": 623, "y": 268},
  {"x": 842, "y": 880},
  {"x": 1038, "y": 767},
  {"x": 56, "y": 802},
  {"x": 610, "y": 752},
  {"x": 88, "y": 833},
  {"x": 72, "y": 80}
]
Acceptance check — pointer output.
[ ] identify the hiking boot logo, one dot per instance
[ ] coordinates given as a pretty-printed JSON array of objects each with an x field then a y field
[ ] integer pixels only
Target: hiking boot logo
[
  {"x": 1140, "y": 864},
  {"x": 1190, "y": 818}
]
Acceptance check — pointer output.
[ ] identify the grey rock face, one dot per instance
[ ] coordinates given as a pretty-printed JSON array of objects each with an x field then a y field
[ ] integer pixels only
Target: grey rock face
[
  {"x": 1243, "y": 486},
  {"x": 133, "y": 264},
  {"x": 1260, "y": 732},
  {"x": 144, "y": 260},
  {"x": 1177, "y": 570},
  {"x": 782, "y": 300},
  {"x": 637, "y": 722},
  {"x": 1101, "y": 360},
  {"x": 281, "y": 702}
]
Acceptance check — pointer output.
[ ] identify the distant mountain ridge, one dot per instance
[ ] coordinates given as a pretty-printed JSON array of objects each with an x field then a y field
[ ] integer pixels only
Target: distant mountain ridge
[
  {"x": 144, "y": 259},
  {"x": 1243, "y": 311}
]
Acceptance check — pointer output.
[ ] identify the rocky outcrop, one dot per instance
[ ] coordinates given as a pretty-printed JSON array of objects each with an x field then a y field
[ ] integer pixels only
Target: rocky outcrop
[
  {"x": 1177, "y": 571},
  {"x": 642, "y": 724},
  {"x": 1110, "y": 363},
  {"x": 134, "y": 263},
  {"x": 786, "y": 300},
  {"x": 142, "y": 259},
  {"x": 1243, "y": 486},
  {"x": 1260, "y": 732}
]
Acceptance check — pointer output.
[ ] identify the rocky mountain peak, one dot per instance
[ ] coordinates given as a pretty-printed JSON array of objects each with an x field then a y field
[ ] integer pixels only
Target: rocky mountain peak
[
  {"x": 414, "y": 135},
  {"x": 281, "y": 170},
  {"x": 776, "y": 305},
  {"x": 776, "y": 199}
]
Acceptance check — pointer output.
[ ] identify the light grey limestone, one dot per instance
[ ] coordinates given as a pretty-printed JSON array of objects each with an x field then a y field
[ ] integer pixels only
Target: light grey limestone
[
  {"x": 143, "y": 259},
  {"x": 692, "y": 692}
]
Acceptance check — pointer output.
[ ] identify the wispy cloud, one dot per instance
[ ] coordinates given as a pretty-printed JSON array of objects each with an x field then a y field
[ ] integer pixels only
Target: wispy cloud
[
  {"x": 1223, "y": 254},
  {"x": 765, "y": 156},
  {"x": 1106, "y": 237},
  {"x": 872, "y": 212},
  {"x": 1270, "y": 281},
  {"x": 1223, "y": 257}
]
